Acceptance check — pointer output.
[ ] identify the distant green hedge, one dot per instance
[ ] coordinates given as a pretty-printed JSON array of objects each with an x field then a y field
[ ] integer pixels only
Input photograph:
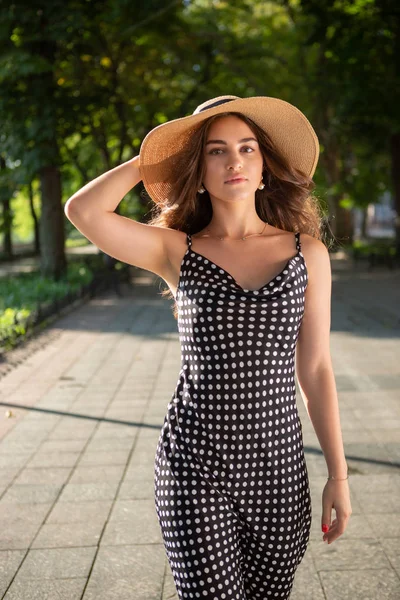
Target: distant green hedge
[
  {"x": 379, "y": 246},
  {"x": 23, "y": 296}
]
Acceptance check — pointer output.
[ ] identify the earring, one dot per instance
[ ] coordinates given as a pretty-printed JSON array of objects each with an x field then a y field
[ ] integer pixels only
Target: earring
[
  {"x": 262, "y": 185},
  {"x": 201, "y": 190}
]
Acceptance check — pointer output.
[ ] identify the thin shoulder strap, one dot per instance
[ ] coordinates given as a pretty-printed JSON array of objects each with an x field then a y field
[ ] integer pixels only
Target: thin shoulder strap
[
  {"x": 189, "y": 240},
  {"x": 298, "y": 243}
]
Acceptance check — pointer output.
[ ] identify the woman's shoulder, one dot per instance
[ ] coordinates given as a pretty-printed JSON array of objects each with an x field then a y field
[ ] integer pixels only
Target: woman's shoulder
[
  {"x": 313, "y": 245},
  {"x": 317, "y": 259}
]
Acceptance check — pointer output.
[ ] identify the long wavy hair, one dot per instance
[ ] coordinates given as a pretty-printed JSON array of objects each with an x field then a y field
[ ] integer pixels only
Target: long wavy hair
[{"x": 287, "y": 201}]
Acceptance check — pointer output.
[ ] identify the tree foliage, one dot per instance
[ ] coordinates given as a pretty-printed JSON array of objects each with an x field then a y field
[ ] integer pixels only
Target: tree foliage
[{"x": 83, "y": 81}]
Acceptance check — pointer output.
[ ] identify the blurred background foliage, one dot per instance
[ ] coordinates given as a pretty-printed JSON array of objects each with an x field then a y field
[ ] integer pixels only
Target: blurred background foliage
[{"x": 82, "y": 82}]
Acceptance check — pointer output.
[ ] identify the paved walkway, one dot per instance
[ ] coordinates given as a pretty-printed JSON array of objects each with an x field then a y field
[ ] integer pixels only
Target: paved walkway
[{"x": 77, "y": 516}]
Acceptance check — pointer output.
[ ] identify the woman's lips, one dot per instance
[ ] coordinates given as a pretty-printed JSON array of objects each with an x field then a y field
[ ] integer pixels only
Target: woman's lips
[{"x": 236, "y": 180}]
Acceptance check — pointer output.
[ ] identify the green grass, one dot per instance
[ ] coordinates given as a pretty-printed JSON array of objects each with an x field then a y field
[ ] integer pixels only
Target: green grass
[
  {"x": 27, "y": 290},
  {"x": 21, "y": 294}
]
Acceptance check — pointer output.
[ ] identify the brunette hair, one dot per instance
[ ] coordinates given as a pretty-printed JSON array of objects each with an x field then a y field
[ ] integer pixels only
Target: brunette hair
[{"x": 286, "y": 202}]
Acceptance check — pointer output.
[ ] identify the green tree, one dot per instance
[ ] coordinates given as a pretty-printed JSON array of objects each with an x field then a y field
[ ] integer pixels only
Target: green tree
[
  {"x": 82, "y": 83},
  {"x": 358, "y": 92},
  {"x": 48, "y": 95}
]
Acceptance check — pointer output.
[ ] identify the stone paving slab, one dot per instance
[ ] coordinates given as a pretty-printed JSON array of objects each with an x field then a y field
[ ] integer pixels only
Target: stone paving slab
[
  {"x": 367, "y": 584},
  {"x": 121, "y": 573},
  {"x": 57, "y": 563},
  {"x": 77, "y": 515},
  {"x": 60, "y": 589}
]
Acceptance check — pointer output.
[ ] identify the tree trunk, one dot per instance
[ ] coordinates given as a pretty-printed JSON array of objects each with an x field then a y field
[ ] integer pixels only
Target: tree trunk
[
  {"x": 7, "y": 220},
  {"x": 341, "y": 219},
  {"x": 342, "y": 222},
  {"x": 7, "y": 223},
  {"x": 364, "y": 222},
  {"x": 395, "y": 151},
  {"x": 35, "y": 219},
  {"x": 53, "y": 263},
  {"x": 52, "y": 236},
  {"x": 344, "y": 226}
]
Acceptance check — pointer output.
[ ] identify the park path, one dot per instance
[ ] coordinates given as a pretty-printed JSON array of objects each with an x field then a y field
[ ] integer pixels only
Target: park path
[{"x": 77, "y": 516}]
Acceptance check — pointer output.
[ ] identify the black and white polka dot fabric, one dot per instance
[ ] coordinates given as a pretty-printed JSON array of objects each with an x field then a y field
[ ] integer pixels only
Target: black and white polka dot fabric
[{"x": 231, "y": 484}]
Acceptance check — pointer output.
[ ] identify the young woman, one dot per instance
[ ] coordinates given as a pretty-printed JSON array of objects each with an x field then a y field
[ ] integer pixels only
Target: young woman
[{"x": 237, "y": 238}]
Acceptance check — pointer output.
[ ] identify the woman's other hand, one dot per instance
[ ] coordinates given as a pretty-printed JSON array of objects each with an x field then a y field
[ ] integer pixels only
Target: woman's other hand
[{"x": 336, "y": 494}]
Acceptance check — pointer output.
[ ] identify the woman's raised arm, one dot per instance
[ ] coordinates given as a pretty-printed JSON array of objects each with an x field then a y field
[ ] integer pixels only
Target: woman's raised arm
[{"x": 91, "y": 211}]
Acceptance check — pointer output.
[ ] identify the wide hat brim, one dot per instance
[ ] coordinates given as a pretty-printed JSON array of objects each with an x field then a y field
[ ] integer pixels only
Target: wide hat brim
[{"x": 162, "y": 151}]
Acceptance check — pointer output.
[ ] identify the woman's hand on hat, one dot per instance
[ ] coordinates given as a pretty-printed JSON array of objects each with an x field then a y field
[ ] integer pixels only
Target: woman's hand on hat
[{"x": 135, "y": 161}]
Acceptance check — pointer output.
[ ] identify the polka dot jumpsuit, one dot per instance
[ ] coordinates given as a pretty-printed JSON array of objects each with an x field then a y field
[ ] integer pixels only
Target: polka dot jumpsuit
[{"x": 231, "y": 484}]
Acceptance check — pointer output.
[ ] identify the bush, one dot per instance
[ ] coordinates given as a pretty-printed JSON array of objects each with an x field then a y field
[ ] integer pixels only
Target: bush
[
  {"x": 375, "y": 251},
  {"x": 380, "y": 246},
  {"x": 21, "y": 297}
]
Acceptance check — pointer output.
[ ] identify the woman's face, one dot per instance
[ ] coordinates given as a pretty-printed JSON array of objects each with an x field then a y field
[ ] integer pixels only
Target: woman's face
[{"x": 231, "y": 149}]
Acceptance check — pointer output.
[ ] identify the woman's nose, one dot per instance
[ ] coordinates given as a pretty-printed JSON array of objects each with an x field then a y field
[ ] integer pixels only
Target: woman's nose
[{"x": 234, "y": 161}]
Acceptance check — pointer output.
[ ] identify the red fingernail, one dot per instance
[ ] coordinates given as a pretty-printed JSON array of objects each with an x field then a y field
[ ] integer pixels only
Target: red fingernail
[{"x": 325, "y": 528}]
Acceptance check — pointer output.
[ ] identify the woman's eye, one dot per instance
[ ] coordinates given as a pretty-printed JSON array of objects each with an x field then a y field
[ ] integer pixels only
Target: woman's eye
[
  {"x": 215, "y": 150},
  {"x": 220, "y": 149}
]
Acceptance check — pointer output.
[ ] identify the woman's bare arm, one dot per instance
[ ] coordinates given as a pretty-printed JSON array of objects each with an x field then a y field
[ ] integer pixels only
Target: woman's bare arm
[
  {"x": 91, "y": 211},
  {"x": 317, "y": 385},
  {"x": 313, "y": 359}
]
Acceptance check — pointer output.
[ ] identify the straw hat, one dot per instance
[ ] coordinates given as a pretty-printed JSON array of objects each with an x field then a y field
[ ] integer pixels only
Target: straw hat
[{"x": 162, "y": 152}]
